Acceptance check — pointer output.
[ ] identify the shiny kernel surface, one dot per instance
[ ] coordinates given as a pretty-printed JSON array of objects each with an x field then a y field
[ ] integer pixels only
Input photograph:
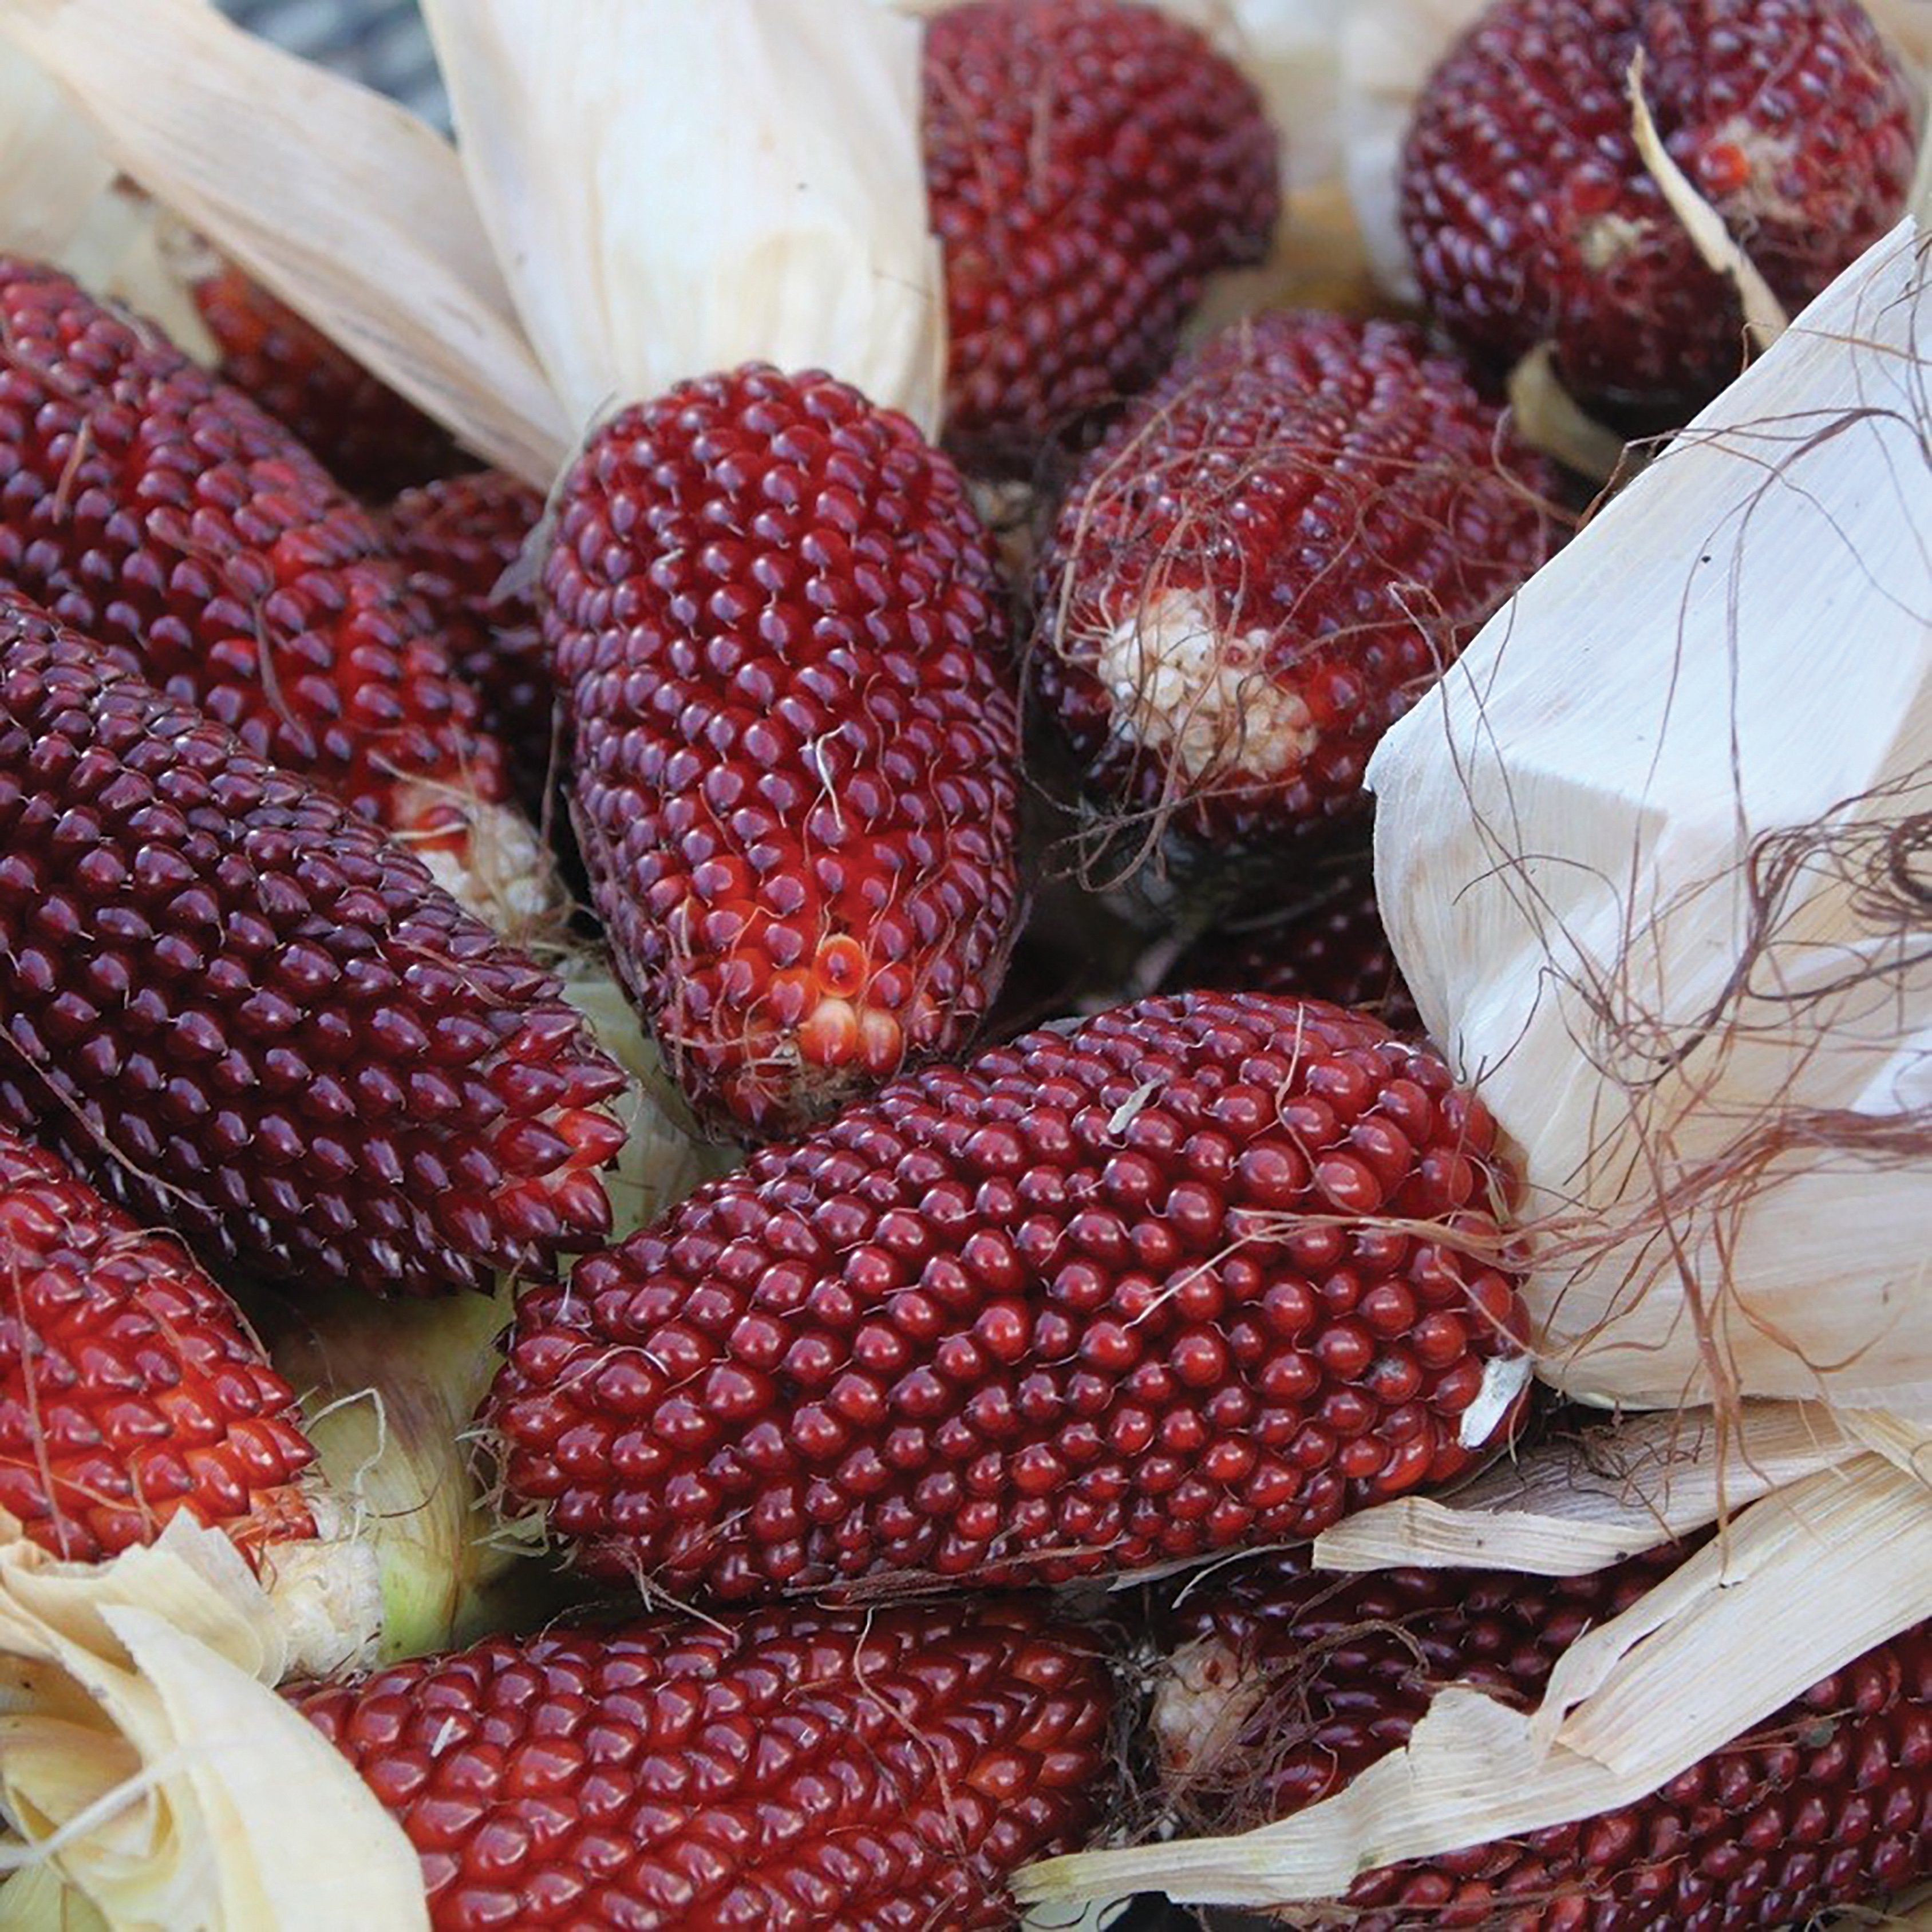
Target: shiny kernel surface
[
  {"x": 462, "y": 539},
  {"x": 1089, "y": 163},
  {"x": 243, "y": 1011},
  {"x": 368, "y": 438},
  {"x": 130, "y": 1387},
  {"x": 781, "y": 648},
  {"x": 1268, "y": 560},
  {"x": 790, "y": 1768},
  {"x": 1531, "y": 217},
  {"x": 163, "y": 514},
  {"x": 1827, "y": 1803},
  {"x": 1190, "y": 1275}
]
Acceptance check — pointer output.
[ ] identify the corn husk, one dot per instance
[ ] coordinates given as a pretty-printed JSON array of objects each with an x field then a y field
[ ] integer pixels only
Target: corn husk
[
  {"x": 1808, "y": 1578},
  {"x": 343, "y": 203},
  {"x": 1719, "y": 1097},
  {"x": 642, "y": 248},
  {"x": 636, "y": 247},
  {"x": 153, "y": 1775},
  {"x": 1579, "y": 1504}
]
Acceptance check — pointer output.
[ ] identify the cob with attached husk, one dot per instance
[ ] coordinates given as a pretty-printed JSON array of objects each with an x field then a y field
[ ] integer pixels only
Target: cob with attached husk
[{"x": 1699, "y": 1010}]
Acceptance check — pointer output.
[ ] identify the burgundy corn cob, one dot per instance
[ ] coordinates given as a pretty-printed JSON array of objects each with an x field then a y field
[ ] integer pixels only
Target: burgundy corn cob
[
  {"x": 788, "y": 1769},
  {"x": 1531, "y": 218},
  {"x": 1266, "y": 561},
  {"x": 1328, "y": 944},
  {"x": 1289, "y": 1684},
  {"x": 779, "y": 642},
  {"x": 130, "y": 1387},
  {"x": 239, "y": 1008},
  {"x": 371, "y": 440},
  {"x": 1113, "y": 1295},
  {"x": 460, "y": 539},
  {"x": 1089, "y": 163},
  {"x": 163, "y": 514}
]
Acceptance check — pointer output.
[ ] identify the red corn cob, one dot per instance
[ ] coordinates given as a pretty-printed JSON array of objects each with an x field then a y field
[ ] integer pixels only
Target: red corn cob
[
  {"x": 1291, "y": 1684},
  {"x": 777, "y": 634},
  {"x": 1328, "y": 944},
  {"x": 1108, "y": 1296},
  {"x": 1531, "y": 218},
  {"x": 195, "y": 540},
  {"x": 460, "y": 539},
  {"x": 1268, "y": 560},
  {"x": 790, "y": 1768},
  {"x": 239, "y": 1007},
  {"x": 130, "y": 1387},
  {"x": 371, "y": 440},
  {"x": 1089, "y": 163}
]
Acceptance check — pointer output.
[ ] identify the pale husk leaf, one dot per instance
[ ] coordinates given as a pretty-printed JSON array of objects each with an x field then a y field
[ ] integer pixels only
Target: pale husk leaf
[
  {"x": 345, "y": 205},
  {"x": 150, "y": 1767},
  {"x": 674, "y": 190},
  {"x": 662, "y": 1159},
  {"x": 1738, "y": 645},
  {"x": 1806, "y": 1579},
  {"x": 1570, "y": 1507}
]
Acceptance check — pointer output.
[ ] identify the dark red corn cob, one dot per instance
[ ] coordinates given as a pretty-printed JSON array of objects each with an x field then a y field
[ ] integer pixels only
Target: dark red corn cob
[
  {"x": 1111, "y": 1296},
  {"x": 370, "y": 439},
  {"x": 779, "y": 642},
  {"x": 463, "y": 541},
  {"x": 197, "y": 542},
  {"x": 1328, "y": 944},
  {"x": 239, "y": 1008},
  {"x": 1287, "y": 1684},
  {"x": 789, "y": 1768},
  {"x": 1266, "y": 562},
  {"x": 1089, "y": 163},
  {"x": 1531, "y": 218},
  {"x": 130, "y": 1387}
]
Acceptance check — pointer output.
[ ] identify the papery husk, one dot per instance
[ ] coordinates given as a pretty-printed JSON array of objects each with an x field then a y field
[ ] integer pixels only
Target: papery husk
[
  {"x": 1720, "y": 1108},
  {"x": 1577, "y": 1504},
  {"x": 390, "y": 1390},
  {"x": 1805, "y": 1580},
  {"x": 155, "y": 1777},
  {"x": 345, "y": 205},
  {"x": 674, "y": 190}
]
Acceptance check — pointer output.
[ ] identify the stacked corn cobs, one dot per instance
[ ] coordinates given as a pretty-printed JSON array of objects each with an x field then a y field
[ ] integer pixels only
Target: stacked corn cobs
[{"x": 1031, "y": 1279}]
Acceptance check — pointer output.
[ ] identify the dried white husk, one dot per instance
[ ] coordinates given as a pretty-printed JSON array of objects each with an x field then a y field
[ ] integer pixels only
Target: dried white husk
[
  {"x": 345, "y": 205},
  {"x": 1805, "y": 1580},
  {"x": 643, "y": 248},
  {"x": 151, "y": 1771},
  {"x": 1721, "y": 1112},
  {"x": 1573, "y": 1505}
]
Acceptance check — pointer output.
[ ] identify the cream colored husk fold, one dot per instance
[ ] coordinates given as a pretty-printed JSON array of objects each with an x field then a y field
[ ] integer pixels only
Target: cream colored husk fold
[
  {"x": 1719, "y": 1093},
  {"x": 1804, "y": 1580},
  {"x": 154, "y": 1774}
]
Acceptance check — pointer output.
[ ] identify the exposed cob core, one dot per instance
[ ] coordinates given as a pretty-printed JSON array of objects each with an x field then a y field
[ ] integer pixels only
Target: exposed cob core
[
  {"x": 199, "y": 543},
  {"x": 1204, "y": 1271},
  {"x": 1286, "y": 1684},
  {"x": 779, "y": 640},
  {"x": 1268, "y": 560},
  {"x": 240, "y": 1008},
  {"x": 792, "y": 1767}
]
